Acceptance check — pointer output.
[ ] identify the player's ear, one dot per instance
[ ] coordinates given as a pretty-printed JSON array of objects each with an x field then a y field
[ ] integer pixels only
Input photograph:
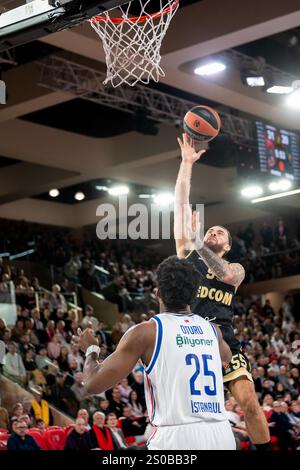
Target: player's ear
[
  {"x": 227, "y": 248},
  {"x": 157, "y": 292}
]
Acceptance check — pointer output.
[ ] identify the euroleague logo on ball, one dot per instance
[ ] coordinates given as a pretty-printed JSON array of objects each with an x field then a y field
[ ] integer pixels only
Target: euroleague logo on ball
[{"x": 197, "y": 123}]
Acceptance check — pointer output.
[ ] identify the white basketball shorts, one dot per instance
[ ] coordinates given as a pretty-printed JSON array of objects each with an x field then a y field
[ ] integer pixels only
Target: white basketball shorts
[{"x": 194, "y": 436}]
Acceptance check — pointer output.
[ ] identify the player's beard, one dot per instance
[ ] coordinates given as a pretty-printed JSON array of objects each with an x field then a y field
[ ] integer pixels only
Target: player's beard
[{"x": 215, "y": 247}]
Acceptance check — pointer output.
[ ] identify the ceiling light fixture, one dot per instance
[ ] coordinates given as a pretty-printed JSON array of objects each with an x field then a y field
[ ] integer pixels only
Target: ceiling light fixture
[
  {"x": 79, "y": 196},
  {"x": 251, "y": 191},
  {"x": 281, "y": 185},
  {"x": 275, "y": 196},
  {"x": 118, "y": 190},
  {"x": 280, "y": 89},
  {"x": 210, "y": 69},
  {"x": 54, "y": 192}
]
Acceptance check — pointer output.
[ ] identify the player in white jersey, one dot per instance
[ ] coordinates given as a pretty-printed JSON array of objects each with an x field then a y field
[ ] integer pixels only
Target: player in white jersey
[{"x": 183, "y": 355}]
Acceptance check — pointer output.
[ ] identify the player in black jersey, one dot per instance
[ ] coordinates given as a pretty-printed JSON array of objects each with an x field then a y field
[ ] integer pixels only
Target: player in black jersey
[{"x": 218, "y": 282}]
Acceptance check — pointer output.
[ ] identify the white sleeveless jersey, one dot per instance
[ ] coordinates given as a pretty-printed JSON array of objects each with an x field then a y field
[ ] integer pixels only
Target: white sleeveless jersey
[{"x": 183, "y": 381}]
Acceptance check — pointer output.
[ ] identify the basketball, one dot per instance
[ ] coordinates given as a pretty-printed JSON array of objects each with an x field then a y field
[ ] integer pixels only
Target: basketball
[{"x": 202, "y": 123}]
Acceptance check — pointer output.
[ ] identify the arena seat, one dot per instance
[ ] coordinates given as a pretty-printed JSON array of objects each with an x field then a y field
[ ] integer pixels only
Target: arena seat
[
  {"x": 55, "y": 438},
  {"x": 245, "y": 445},
  {"x": 68, "y": 429},
  {"x": 274, "y": 443},
  {"x": 39, "y": 437},
  {"x": 3, "y": 440}
]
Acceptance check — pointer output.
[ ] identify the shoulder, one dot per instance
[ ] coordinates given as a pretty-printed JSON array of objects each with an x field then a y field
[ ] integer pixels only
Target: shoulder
[{"x": 141, "y": 332}]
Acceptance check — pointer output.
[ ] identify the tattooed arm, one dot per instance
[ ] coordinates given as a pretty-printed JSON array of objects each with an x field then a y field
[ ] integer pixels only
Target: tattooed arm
[{"x": 230, "y": 273}]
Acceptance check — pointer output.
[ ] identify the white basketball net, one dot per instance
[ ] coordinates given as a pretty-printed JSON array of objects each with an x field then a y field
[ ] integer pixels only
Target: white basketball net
[{"x": 132, "y": 43}]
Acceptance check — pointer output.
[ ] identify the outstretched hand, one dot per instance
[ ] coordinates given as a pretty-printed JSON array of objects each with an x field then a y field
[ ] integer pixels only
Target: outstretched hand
[
  {"x": 188, "y": 151},
  {"x": 85, "y": 338}
]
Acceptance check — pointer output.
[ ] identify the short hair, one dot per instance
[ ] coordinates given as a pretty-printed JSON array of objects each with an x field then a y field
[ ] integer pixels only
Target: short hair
[
  {"x": 228, "y": 234},
  {"x": 178, "y": 282}
]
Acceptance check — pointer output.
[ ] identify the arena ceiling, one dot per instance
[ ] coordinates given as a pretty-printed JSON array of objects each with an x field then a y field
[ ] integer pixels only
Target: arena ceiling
[{"x": 55, "y": 139}]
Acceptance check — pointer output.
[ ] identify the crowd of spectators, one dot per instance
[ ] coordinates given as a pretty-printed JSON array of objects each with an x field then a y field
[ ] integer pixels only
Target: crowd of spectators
[
  {"x": 124, "y": 271},
  {"x": 267, "y": 250},
  {"x": 271, "y": 341},
  {"x": 40, "y": 355},
  {"x": 53, "y": 372}
]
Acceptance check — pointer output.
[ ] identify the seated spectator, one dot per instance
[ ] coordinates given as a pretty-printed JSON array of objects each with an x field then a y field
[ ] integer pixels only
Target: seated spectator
[
  {"x": 268, "y": 405},
  {"x": 281, "y": 427},
  {"x": 133, "y": 426},
  {"x": 126, "y": 322},
  {"x": 118, "y": 435},
  {"x": 42, "y": 359},
  {"x": 138, "y": 386},
  {"x": 267, "y": 388},
  {"x": 37, "y": 379},
  {"x": 116, "y": 405},
  {"x": 62, "y": 396},
  {"x": 54, "y": 347},
  {"x": 72, "y": 318},
  {"x": 72, "y": 267},
  {"x": 76, "y": 355},
  {"x": 45, "y": 305},
  {"x": 13, "y": 366},
  {"x": 78, "y": 438},
  {"x": 40, "y": 424},
  {"x": 62, "y": 359},
  {"x": 100, "y": 436},
  {"x": 56, "y": 299},
  {"x": 104, "y": 337},
  {"x": 85, "y": 416},
  {"x": 4, "y": 417},
  {"x": 284, "y": 380},
  {"x": 61, "y": 333},
  {"x": 29, "y": 362},
  {"x": 78, "y": 389},
  {"x": 26, "y": 419},
  {"x": 25, "y": 344},
  {"x": 40, "y": 408},
  {"x": 294, "y": 413},
  {"x": 18, "y": 331},
  {"x": 136, "y": 405},
  {"x": 125, "y": 390},
  {"x": 17, "y": 411},
  {"x": 19, "y": 440},
  {"x": 50, "y": 330},
  {"x": 104, "y": 406},
  {"x": 89, "y": 321}
]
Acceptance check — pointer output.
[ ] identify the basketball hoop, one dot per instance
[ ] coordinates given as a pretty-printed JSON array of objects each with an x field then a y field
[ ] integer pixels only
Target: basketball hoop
[{"x": 132, "y": 43}]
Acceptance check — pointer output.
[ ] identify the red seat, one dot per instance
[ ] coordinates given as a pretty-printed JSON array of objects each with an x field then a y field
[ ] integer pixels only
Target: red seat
[
  {"x": 119, "y": 423},
  {"x": 130, "y": 440},
  {"x": 55, "y": 438},
  {"x": 4, "y": 435},
  {"x": 274, "y": 443},
  {"x": 39, "y": 437},
  {"x": 245, "y": 445},
  {"x": 68, "y": 429}
]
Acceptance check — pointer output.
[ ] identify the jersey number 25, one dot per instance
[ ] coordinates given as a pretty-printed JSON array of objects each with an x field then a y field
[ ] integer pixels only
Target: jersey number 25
[{"x": 192, "y": 359}]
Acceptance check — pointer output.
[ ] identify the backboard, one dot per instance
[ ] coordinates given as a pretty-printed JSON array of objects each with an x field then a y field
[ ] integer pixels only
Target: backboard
[{"x": 22, "y": 21}]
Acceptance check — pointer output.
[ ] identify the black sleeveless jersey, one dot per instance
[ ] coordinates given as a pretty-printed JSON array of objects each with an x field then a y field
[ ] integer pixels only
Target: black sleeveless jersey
[{"x": 214, "y": 300}]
